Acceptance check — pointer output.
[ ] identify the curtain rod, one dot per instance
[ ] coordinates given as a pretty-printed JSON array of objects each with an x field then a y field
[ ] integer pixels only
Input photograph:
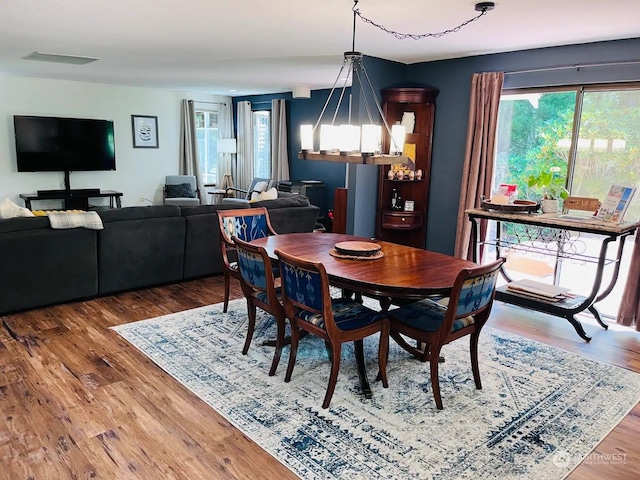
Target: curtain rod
[
  {"x": 577, "y": 66},
  {"x": 212, "y": 103}
]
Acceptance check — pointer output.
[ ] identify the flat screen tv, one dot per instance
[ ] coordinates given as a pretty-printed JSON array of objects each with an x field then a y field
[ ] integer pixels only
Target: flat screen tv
[{"x": 53, "y": 144}]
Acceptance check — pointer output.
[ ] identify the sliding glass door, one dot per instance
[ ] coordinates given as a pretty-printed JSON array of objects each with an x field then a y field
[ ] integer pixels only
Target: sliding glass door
[{"x": 587, "y": 135}]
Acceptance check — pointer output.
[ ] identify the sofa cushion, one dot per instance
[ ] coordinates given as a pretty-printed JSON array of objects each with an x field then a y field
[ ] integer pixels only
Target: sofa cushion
[
  {"x": 182, "y": 190},
  {"x": 20, "y": 224},
  {"x": 42, "y": 266},
  {"x": 139, "y": 213},
  {"x": 294, "y": 219},
  {"x": 141, "y": 251},
  {"x": 207, "y": 209}
]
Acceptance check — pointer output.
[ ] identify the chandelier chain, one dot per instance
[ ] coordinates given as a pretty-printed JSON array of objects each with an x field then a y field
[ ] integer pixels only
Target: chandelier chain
[{"x": 403, "y": 36}]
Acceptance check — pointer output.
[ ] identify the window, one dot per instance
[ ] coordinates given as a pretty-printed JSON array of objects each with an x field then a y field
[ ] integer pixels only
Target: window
[
  {"x": 207, "y": 139},
  {"x": 261, "y": 143},
  {"x": 590, "y": 134}
]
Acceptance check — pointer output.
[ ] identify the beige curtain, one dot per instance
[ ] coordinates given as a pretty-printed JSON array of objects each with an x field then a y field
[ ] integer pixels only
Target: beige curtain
[
  {"x": 629, "y": 311},
  {"x": 243, "y": 173},
  {"x": 225, "y": 130},
  {"x": 189, "y": 164},
  {"x": 279, "y": 147},
  {"x": 479, "y": 153}
]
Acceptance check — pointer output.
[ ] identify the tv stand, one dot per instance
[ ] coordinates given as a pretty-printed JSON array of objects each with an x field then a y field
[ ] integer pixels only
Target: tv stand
[{"x": 73, "y": 199}]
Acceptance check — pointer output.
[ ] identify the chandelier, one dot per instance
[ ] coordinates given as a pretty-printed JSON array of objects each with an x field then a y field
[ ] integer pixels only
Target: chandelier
[{"x": 350, "y": 143}]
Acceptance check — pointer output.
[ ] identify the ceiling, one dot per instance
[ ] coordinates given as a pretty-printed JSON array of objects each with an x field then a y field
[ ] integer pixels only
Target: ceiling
[{"x": 242, "y": 47}]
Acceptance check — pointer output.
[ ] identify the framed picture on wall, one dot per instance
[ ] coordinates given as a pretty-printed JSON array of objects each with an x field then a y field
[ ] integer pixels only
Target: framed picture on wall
[{"x": 145, "y": 131}]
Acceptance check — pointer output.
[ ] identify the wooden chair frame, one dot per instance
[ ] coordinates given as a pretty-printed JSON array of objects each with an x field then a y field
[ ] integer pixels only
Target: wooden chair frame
[
  {"x": 272, "y": 306},
  {"x": 433, "y": 341},
  {"x": 333, "y": 336},
  {"x": 228, "y": 247}
]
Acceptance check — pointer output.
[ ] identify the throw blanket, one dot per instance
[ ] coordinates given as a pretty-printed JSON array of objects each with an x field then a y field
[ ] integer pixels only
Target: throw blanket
[{"x": 90, "y": 220}]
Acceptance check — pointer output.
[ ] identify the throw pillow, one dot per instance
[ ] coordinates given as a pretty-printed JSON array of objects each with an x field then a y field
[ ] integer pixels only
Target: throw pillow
[
  {"x": 182, "y": 190},
  {"x": 8, "y": 209},
  {"x": 270, "y": 194}
]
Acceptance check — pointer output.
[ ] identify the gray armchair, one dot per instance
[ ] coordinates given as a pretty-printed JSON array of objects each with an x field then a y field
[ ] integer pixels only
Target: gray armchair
[{"x": 180, "y": 190}]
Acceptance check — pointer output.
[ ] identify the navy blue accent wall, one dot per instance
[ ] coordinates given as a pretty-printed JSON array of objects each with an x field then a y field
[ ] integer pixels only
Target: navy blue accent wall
[
  {"x": 453, "y": 79},
  {"x": 306, "y": 111},
  {"x": 363, "y": 179}
]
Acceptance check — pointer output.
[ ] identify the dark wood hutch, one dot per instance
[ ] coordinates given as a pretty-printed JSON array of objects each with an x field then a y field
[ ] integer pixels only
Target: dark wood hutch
[{"x": 400, "y": 226}]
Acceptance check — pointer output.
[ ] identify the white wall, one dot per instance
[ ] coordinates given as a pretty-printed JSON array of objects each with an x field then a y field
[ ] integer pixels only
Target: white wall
[{"x": 139, "y": 171}]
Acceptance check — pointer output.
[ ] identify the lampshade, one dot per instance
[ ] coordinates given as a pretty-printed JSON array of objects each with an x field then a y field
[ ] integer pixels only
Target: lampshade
[
  {"x": 371, "y": 138},
  {"x": 227, "y": 145},
  {"x": 348, "y": 138},
  {"x": 328, "y": 137},
  {"x": 306, "y": 137},
  {"x": 397, "y": 139}
]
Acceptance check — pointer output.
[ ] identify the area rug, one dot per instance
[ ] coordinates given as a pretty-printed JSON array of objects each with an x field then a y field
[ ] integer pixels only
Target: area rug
[{"x": 539, "y": 414}]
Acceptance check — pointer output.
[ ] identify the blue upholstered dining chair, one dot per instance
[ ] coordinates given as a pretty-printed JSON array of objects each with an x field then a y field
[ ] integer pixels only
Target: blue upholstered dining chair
[
  {"x": 258, "y": 285},
  {"x": 310, "y": 308},
  {"x": 246, "y": 224},
  {"x": 433, "y": 324}
]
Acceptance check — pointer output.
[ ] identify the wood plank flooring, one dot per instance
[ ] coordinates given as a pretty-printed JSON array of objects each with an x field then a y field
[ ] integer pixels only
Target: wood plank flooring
[{"x": 79, "y": 402}]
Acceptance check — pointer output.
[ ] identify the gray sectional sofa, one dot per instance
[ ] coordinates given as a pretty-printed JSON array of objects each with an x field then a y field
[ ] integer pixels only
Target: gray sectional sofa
[{"x": 138, "y": 247}]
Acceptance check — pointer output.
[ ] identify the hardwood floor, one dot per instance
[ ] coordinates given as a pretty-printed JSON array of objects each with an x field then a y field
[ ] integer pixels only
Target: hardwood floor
[{"x": 79, "y": 402}]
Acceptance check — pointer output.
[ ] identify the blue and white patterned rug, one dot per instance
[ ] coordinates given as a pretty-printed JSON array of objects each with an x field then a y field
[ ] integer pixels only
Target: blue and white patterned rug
[{"x": 540, "y": 412}]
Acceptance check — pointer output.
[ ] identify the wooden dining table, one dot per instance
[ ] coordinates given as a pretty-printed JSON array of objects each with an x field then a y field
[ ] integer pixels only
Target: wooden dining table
[{"x": 401, "y": 273}]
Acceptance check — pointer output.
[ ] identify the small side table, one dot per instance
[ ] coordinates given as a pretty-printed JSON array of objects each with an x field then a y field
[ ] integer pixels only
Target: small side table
[{"x": 217, "y": 194}]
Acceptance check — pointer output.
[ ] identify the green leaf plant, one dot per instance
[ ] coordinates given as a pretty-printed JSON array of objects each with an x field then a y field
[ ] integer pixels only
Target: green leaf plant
[{"x": 549, "y": 184}]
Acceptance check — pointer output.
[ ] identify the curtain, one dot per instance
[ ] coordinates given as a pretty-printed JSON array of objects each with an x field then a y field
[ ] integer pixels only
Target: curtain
[
  {"x": 629, "y": 311},
  {"x": 477, "y": 172},
  {"x": 244, "y": 164},
  {"x": 225, "y": 130},
  {"x": 279, "y": 148},
  {"x": 189, "y": 163}
]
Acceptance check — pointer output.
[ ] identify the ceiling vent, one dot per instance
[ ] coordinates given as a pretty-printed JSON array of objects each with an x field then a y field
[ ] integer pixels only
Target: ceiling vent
[{"x": 59, "y": 58}]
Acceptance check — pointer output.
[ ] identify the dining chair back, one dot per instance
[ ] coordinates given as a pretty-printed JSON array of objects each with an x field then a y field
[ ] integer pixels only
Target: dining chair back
[
  {"x": 246, "y": 224},
  {"x": 258, "y": 285},
  {"x": 436, "y": 323},
  {"x": 310, "y": 308}
]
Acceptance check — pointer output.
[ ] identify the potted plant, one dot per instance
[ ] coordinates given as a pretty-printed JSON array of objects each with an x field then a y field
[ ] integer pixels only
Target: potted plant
[{"x": 551, "y": 187}]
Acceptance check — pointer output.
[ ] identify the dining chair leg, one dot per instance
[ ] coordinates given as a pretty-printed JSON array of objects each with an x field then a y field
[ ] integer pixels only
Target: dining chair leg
[
  {"x": 473, "y": 347},
  {"x": 327, "y": 345},
  {"x": 435, "y": 380},
  {"x": 280, "y": 341},
  {"x": 226, "y": 292},
  {"x": 251, "y": 310},
  {"x": 295, "y": 337},
  {"x": 333, "y": 377},
  {"x": 383, "y": 355}
]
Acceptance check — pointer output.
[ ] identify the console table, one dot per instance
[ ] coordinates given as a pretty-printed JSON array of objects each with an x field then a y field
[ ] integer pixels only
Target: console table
[
  {"x": 74, "y": 199},
  {"x": 555, "y": 235}
]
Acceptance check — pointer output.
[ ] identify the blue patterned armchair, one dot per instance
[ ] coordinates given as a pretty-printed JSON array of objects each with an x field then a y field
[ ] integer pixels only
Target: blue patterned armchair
[
  {"x": 434, "y": 324},
  {"x": 258, "y": 285},
  {"x": 309, "y": 307},
  {"x": 246, "y": 224}
]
